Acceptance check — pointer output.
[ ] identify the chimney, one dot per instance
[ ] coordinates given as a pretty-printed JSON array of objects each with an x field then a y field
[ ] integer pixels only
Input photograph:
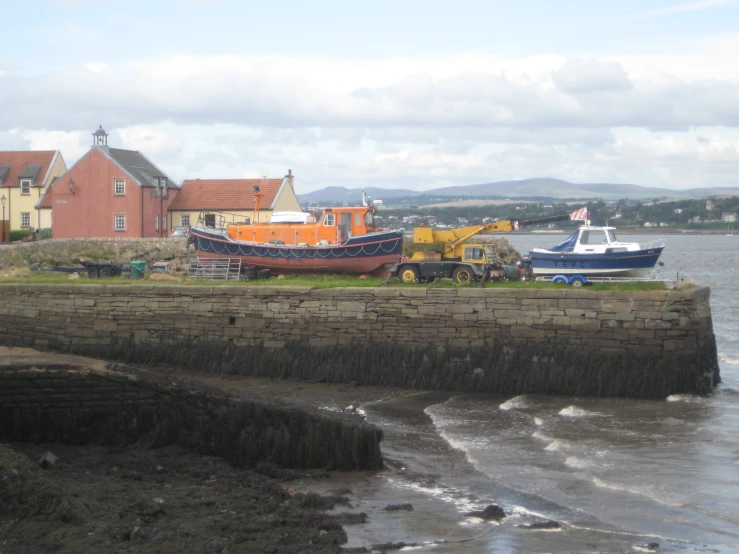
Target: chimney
[{"x": 290, "y": 178}]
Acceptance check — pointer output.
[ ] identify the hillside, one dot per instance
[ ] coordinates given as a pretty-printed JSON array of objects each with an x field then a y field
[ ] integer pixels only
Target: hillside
[{"x": 541, "y": 188}]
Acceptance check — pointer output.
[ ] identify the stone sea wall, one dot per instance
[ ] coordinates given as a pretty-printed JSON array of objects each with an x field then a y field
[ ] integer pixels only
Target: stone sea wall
[
  {"x": 569, "y": 341},
  {"x": 73, "y": 404}
]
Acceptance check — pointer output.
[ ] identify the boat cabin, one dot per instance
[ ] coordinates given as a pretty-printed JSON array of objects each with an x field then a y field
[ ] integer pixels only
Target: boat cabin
[
  {"x": 594, "y": 240},
  {"x": 320, "y": 226}
]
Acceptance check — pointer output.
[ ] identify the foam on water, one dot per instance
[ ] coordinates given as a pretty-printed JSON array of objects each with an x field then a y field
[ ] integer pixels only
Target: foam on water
[
  {"x": 514, "y": 403},
  {"x": 578, "y": 463},
  {"x": 538, "y": 421},
  {"x": 541, "y": 436},
  {"x": 554, "y": 446},
  {"x": 681, "y": 398},
  {"x": 727, "y": 359},
  {"x": 574, "y": 411},
  {"x": 650, "y": 491},
  {"x": 461, "y": 501}
]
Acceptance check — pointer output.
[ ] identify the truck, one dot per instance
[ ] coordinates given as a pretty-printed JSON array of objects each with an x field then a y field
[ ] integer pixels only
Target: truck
[{"x": 461, "y": 261}]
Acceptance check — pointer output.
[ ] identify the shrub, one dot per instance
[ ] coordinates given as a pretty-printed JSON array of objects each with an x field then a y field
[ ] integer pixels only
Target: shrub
[
  {"x": 45, "y": 234},
  {"x": 20, "y": 234}
]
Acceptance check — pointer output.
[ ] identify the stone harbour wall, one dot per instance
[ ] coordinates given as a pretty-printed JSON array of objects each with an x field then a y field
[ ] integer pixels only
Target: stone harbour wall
[
  {"x": 78, "y": 405},
  {"x": 571, "y": 341}
]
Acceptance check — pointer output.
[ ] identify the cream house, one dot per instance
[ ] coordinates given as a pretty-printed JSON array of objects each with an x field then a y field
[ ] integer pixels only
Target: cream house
[
  {"x": 24, "y": 178},
  {"x": 219, "y": 202}
]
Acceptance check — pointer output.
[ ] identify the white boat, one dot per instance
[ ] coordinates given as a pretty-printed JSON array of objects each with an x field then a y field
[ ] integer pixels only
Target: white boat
[{"x": 596, "y": 251}]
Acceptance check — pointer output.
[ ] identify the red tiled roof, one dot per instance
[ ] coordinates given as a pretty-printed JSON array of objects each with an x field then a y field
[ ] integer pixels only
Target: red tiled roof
[
  {"x": 18, "y": 161},
  {"x": 225, "y": 194}
]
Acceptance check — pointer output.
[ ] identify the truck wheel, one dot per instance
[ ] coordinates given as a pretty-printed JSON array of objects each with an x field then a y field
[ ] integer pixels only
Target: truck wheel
[
  {"x": 106, "y": 272},
  {"x": 92, "y": 273},
  {"x": 463, "y": 275},
  {"x": 408, "y": 274},
  {"x": 559, "y": 281}
]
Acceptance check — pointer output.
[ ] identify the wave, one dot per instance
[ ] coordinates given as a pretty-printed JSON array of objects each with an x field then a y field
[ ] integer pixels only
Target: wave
[
  {"x": 578, "y": 463},
  {"x": 538, "y": 421},
  {"x": 647, "y": 491},
  {"x": 574, "y": 411},
  {"x": 461, "y": 501},
  {"x": 553, "y": 446},
  {"x": 681, "y": 398},
  {"x": 514, "y": 403},
  {"x": 727, "y": 359}
]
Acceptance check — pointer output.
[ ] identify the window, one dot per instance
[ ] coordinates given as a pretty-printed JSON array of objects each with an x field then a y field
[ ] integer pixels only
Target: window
[
  {"x": 156, "y": 222},
  {"x": 164, "y": 223},
  {"x": 25, "y": 219},
  {"x": 593, "y": 237},
  {"x": 357, "y": 219},
  {"x": 329, "y": 220},
  {"x": 185, "y": 220},
  {"x": 25, "y": 187},
  {"x": 473, "y": 253},
  {"x": 120, "y": 187},
  {"x": 120, "y": 222}
]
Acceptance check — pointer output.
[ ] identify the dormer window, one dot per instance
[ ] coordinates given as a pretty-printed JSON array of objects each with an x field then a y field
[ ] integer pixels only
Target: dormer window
[
  {"x": 25, "y": 187},
  {"x": 119, "y": 186}
]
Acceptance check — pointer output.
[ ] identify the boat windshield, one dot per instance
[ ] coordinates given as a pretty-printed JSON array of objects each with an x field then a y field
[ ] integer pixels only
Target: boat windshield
[
  {"x": 593, "y": 237},
  {"x": 612, "y": 235}
]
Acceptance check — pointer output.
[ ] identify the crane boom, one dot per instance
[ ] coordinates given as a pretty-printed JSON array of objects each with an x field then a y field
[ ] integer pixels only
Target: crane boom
[{"x": 452, "y": 238}]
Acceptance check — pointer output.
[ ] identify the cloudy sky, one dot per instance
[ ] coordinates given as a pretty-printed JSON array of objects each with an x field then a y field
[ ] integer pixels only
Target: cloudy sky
[{"x": 392, "y": 93}]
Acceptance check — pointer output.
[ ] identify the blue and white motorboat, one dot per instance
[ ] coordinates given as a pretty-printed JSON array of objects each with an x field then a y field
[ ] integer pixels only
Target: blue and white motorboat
[{"x": 596, "y": 252}]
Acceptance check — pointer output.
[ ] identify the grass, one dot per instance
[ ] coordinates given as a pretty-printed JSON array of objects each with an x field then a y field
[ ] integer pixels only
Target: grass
[{"x": 315, "y": 281}]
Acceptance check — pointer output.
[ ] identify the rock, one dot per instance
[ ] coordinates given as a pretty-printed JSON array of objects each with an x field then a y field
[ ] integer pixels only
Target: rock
[
  {"x": 653, "y": 546},
  {"x": 491, "y": 512},
  {"x": 47, "y": 460},
  {"x": 280, "y": 276},
  {"x": 398, "y": 507},
  {"x": 73, "y": 276}
]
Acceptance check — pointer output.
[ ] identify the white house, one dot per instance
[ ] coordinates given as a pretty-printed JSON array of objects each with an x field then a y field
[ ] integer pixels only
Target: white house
[{"x": 728, "y": 218}]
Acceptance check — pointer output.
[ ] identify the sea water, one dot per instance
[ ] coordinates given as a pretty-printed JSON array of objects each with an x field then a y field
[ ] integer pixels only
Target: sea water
[{"x": 618, "y": 474}]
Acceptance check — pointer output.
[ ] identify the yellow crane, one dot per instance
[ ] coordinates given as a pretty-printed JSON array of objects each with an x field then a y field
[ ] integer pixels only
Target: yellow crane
[{"x": 459, "y": 260}]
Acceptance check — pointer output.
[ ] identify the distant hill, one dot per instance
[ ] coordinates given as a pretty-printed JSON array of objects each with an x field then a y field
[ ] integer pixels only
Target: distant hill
[{"x": 526, "y": 188}]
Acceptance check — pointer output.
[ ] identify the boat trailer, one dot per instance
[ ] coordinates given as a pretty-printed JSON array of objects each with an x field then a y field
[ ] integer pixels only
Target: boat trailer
[{"x": 92, "y": 269}]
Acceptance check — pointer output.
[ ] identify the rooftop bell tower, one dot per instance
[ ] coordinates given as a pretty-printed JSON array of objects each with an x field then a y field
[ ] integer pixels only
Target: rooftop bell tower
[{"x": 100, "y": 137}]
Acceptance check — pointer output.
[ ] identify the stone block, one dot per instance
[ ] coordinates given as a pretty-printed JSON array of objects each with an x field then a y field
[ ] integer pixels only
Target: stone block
[{"x": 107, "y": 325}]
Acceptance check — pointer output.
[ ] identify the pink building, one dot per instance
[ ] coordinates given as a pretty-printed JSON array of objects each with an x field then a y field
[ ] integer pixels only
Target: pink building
[{"x": 111, "y": 193}]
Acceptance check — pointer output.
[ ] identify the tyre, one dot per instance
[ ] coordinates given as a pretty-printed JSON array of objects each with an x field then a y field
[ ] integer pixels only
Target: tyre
[
  {"x": 577, "y": 281},
  {"x": 559, "y": 281},
  {"x": 409, "y": 274},
  {"x": 106, "y": 272},
  {"x": 463, "y": 275},
  {"x": 92, "y": 273}
]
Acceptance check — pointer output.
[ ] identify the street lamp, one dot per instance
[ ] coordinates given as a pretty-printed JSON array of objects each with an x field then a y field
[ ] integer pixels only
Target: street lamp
[{"x": 2, "y": 201}]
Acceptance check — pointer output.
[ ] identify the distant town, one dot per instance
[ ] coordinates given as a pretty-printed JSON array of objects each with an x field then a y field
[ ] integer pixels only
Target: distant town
[{"x": 697, "y": 215}]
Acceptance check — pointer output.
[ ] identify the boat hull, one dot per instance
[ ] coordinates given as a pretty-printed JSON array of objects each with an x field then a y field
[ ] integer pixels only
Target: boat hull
[
  {"x": 635, "y": 263},
  {"x": 360, "y": 254}
]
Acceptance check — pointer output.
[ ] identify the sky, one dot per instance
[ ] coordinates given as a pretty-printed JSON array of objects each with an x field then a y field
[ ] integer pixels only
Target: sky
[{"x": 395, "y": 94}]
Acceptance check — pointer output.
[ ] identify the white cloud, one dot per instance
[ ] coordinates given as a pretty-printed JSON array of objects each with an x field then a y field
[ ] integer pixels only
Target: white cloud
[
  {"x": 690, "y": 7},
  {"x": 416, "y": 122}
]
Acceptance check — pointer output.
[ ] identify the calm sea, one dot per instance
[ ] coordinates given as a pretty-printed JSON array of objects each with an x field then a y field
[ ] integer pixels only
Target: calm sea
[{"x": 618, "y": 474}]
